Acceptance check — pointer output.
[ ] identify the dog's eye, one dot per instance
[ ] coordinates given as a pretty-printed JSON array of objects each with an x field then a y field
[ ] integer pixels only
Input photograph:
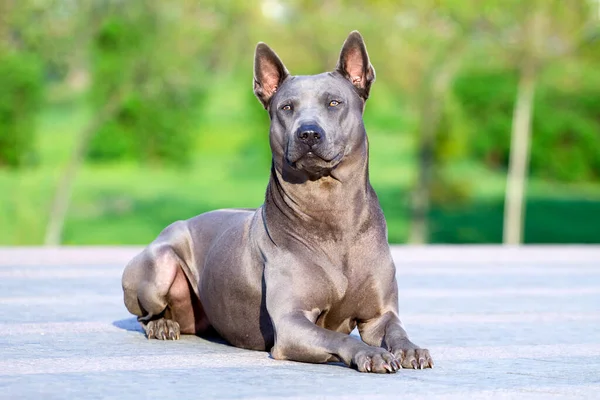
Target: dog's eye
[
  {"x": 334, "y": 103},
  {"x": 287, "y": 107}
]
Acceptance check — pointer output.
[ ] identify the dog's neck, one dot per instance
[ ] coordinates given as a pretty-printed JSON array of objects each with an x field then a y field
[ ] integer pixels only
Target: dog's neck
[{"x": 340, "y": 201}]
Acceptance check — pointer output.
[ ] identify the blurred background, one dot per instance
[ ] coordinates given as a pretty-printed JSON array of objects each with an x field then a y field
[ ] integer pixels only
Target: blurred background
[{"x": 118, "y": 117}]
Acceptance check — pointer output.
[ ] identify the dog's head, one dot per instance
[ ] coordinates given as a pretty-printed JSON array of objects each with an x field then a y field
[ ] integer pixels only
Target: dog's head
[{"x": 316, "y": 121}]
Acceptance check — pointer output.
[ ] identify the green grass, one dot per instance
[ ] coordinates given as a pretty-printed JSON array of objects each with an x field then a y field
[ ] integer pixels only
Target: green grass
[
  {"x": 130, "y": 204},
  {"x": 548, "y": 220}
]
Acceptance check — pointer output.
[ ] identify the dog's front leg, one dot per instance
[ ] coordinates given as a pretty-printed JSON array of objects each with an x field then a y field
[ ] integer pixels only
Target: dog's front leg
[
  {"x": 296, "y": 294},
  {"x": 386, "y": 330},
  {"x": 297, "y": 338}
]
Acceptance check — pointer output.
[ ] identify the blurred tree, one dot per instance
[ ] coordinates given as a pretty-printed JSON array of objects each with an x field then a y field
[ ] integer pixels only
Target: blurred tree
[
  {"x": 521, "y": 126},
  {"x": 20, "y": 97},
  {"x": 544, "y": 30},
  {"x": 490, "y": 37},
  {"x": 21, "y": 82},
  {"x": 146, "y": 85},
  {"x": 431, "y": 58},
  {"x": 565, "y": 146},
  {"x": 145, "y": 67},
  {"x": 104, "y": 112},
  {"x": 139, "y": 45}
]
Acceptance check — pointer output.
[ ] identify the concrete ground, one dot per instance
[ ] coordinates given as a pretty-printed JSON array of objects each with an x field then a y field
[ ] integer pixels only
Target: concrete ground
[{"x": 499, "y": 322}]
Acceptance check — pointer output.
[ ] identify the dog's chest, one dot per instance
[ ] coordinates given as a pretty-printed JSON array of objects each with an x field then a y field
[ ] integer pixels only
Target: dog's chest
[
  {"x": 356, "y": 293},
  {"x": 355, "y": 306}
]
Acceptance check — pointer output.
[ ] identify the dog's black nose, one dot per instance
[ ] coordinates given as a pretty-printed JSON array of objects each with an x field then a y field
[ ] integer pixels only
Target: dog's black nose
[{"x": 310, "y": 134}]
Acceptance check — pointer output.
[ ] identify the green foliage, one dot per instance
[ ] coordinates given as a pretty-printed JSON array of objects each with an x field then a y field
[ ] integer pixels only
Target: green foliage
[
  {"x": 153, "y": 123},
  {"x": 566, "y": 136},
  {"x": 158, "y": 62},
  {"x": 491, "y": 115},
  {"x": 573, "y": 220},
  {"x": 20, "y": 97},
  {"x": 151, "y": 129},
  {"x": 451, "y": 147},
  {"x": 565, "y": 143},
  {"x": 116, "y": 51}
]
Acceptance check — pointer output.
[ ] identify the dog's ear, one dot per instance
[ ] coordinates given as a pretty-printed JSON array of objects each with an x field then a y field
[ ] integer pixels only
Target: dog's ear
[
  {"x": 355, "y": 66},
  {"x": 269, "y": 73}
]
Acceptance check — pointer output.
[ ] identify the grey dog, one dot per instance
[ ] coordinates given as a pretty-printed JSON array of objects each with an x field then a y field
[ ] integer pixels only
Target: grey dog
[{"x": 298, "y": 274}]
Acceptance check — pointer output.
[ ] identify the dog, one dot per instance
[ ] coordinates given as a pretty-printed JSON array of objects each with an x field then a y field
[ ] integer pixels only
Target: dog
[{"x": 298, "y": 274}]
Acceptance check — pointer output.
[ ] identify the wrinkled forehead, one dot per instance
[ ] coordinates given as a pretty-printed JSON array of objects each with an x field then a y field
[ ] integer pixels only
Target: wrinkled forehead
[{"x": 305, "y": 86}]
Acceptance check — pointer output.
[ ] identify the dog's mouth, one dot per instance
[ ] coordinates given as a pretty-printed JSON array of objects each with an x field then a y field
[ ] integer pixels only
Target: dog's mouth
[{"x": 315, "y": 163}]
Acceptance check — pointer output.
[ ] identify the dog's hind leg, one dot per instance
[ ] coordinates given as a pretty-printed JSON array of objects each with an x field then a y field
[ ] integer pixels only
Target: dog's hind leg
[{"x": 157, "y": 290}]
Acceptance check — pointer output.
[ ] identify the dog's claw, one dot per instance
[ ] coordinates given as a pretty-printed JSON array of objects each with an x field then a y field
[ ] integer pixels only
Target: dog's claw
[
  {"x": 414, "y": 358},
  {"x": 162, "y": 329},
  {"x": 376, "y": 360}
]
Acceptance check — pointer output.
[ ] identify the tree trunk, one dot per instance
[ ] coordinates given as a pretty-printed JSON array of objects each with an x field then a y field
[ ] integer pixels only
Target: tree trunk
[
  {"x": 64, "y": 189},
  {"x": 514, "y": 209},
  {"x": 429, "y": 118},
  {"x": 430, "y": 113},
  {"x": 518, "y": 163}
]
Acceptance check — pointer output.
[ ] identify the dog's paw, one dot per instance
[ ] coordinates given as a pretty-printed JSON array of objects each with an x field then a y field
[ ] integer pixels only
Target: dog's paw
[
  {"x": 376, "y": 360},
  {"x": 162, "y": 329},
  {"x": 414, "y": 358}
]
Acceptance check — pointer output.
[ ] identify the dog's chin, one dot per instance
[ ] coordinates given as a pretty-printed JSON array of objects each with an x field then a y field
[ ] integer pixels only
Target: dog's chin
[{"x": 314, "y": 164}]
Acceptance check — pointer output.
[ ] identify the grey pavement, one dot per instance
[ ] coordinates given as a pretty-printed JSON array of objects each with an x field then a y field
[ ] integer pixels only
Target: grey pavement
[{"x": 499, "y": 322}]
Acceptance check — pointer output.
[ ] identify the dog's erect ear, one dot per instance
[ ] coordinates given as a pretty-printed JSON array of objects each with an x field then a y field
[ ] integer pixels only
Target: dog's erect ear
[
  {"x": 354, "y": 64},
  {"x": 269, "y": 73}
]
